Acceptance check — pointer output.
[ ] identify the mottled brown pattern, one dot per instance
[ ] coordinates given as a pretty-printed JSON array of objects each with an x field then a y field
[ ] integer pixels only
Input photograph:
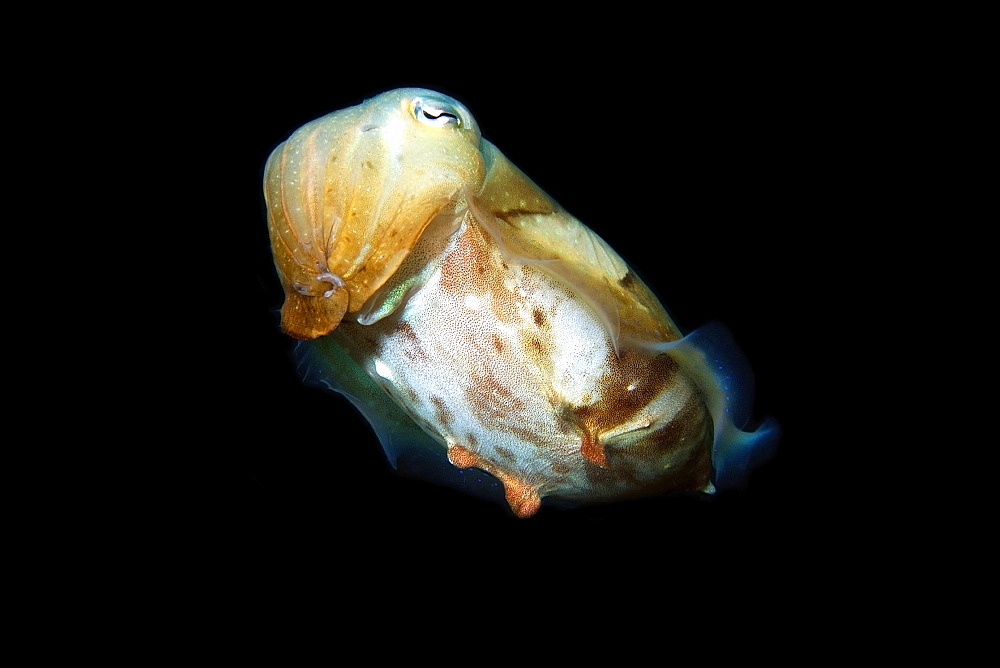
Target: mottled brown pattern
[
  {"x": 488, "y": 395},
  {"x": 506, "y": 455},
  {"x": 690, "y": 429},
  {"x": 441, "y": 412},
  {"x": 628, "y": 280},
  {"x": 621, "y": 405},
  {"x": 406, "y": 330},
  {"x": 412, "y": 347},
  {"x": 496, "y": 406}
]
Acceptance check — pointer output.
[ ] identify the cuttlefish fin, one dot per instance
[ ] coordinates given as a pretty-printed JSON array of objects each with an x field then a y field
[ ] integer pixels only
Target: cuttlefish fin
[
  {"x": 326, "y": 363},
  {"x": 710, "y": 357}
]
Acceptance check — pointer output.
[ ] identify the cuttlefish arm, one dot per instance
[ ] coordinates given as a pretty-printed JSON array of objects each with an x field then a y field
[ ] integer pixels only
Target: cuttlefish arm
[{"x": 348, "y": 197}]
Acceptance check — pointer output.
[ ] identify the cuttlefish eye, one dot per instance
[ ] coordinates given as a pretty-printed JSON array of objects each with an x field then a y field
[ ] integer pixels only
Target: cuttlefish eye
[{"x": 435, "y": 112}]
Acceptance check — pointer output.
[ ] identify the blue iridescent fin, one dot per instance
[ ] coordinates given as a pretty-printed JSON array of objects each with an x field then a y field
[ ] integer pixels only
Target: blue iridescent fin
[
  {"x": 410, "y": 450},
  {"x": 712, "y": 358}
]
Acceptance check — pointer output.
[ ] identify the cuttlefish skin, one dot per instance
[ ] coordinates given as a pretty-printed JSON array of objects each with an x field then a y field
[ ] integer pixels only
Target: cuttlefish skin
[
  {"x": 349, "y": 194},
  {"x": 464, "y": 312}
]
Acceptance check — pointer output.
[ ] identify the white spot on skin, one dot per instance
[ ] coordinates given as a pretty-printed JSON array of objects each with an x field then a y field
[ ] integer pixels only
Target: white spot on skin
[
  {"x": 382, "y": 370},
  {"x": 472, "y": 302}
]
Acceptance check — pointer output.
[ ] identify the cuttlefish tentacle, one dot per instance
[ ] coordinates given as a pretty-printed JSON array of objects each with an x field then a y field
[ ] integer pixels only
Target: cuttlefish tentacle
[{"x": 350, "y": 194}]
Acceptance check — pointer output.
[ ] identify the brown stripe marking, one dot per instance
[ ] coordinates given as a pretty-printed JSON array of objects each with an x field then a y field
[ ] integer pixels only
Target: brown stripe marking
[{"x": 441, "y": 412}]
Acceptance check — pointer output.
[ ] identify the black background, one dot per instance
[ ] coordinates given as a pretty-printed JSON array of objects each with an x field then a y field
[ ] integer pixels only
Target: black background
[{"x": 705, "y": 180}]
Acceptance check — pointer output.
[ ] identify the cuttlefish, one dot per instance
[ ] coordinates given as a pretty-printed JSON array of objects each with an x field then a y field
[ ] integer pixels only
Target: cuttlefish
[{"x": 479, "y": 327}]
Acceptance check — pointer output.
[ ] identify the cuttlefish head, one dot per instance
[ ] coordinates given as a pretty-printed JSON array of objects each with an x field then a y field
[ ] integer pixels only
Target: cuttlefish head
[{"x": 349, "y": 194}]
